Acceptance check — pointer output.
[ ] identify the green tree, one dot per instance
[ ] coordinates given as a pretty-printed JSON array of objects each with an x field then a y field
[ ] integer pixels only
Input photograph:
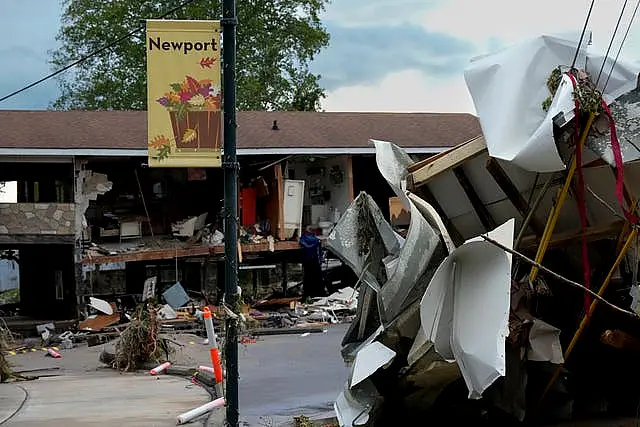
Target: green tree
[{"x": 277, "y": 40}]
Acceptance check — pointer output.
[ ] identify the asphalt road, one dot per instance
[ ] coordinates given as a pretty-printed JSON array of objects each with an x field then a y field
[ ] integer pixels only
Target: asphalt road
[{"x": 288, "y": 375}]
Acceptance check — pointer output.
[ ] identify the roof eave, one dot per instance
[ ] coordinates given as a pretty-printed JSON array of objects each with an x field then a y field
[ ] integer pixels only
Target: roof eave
[{"x": 119, "y": 152}]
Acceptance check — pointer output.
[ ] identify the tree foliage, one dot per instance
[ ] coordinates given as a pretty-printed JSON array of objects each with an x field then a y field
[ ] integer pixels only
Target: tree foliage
[{"x": 277, "y": 40}]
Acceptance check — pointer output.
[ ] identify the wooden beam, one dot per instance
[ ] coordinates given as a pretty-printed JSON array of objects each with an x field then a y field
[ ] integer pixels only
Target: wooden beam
[
  {"x": 428, "y": 196},
  {"x": 188, "y": 252},
  {"x": 481, "y": 211},
  {"x": 418, "y": 165},
  {"x": 443, "y": 162},
  {"x": 280, "y": 195},
  {"x": 511, "y": 191},
  {"x": 149, "y": 255},
  {"x": 350, "y": 178},
  {"x": 601, "y": 232}
]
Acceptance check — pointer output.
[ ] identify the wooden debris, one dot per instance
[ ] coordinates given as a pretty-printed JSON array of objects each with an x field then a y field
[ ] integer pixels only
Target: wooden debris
[
  {"x": 276, "y": 302},
  {"x": 427, "y": 170},
  {"x": 609, "y": 231}
]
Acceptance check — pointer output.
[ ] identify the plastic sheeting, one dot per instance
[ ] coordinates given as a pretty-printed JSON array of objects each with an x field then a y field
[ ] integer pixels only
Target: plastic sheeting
[
  {"x": 369, "y": 359},
  {"x": 509, "y": 87},
  {"x": 465, "y": 310}
]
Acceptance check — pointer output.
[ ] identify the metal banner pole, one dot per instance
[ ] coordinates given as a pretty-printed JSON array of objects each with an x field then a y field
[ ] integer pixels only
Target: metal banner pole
[{"x": 230, "y": 166}]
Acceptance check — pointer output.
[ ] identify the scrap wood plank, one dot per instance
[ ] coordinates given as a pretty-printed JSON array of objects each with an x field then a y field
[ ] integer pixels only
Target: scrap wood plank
[
  {"x": 514, "y": 195},
  {"x": 448, "y": 160},
  {"x": 99, "y": 322},
  {"x": 273, "y": 302},
  {"x": 418, "y": 165}
]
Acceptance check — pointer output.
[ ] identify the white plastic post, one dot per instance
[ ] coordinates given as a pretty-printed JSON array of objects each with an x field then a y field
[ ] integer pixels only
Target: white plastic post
[
  {"x": 160, "y": 368},
  {"x": 199, "y": 411}
]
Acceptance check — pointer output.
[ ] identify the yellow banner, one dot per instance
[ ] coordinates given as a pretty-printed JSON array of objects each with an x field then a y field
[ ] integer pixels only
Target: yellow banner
[{"x": 184, "y": 93}]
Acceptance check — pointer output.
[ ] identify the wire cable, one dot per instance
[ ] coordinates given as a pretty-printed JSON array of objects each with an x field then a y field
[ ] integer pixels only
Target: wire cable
[
  {"x": 613, "y": 37},
  {"x": 584, "y": 30},
  {"x": 92, "y": 54},
  {"x": 615, "y": 61}
]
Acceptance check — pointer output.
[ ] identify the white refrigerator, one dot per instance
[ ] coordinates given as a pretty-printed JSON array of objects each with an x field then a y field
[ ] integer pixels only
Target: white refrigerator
[{"x": 293, "y": 206}]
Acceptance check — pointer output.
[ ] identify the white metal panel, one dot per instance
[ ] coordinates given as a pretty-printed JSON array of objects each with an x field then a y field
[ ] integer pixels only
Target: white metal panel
[{"x": 293, "y": 203}]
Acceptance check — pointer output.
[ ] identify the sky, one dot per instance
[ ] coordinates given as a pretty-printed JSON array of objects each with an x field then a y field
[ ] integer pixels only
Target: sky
[{"x": 397, "y": 56}]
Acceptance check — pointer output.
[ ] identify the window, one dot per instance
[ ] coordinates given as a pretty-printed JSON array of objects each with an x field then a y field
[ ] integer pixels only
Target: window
[{"x": 60, "y": 196}]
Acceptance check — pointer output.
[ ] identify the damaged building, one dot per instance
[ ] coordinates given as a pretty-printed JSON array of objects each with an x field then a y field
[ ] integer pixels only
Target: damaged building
[{"x": 83, "y": 216}]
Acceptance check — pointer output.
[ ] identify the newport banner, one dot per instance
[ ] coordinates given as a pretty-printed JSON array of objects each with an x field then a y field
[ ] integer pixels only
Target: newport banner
[{"x": 184, "y": 93}]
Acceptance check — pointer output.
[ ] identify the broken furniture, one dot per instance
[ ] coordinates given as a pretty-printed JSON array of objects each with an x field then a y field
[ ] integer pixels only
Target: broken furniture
[{"x": 189, "y": 227}]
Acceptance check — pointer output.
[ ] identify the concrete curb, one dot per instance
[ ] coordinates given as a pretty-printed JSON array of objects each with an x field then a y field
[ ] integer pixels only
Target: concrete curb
[{"x": 206, "y": 379}]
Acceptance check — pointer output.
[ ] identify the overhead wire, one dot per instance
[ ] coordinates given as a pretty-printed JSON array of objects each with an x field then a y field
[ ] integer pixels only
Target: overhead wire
[
  {"x": 584, "y": 29},
  {"x": 624, "y": 38},
  {"x": 613, "y": 37},
  {"x": 94, "y": 53}
]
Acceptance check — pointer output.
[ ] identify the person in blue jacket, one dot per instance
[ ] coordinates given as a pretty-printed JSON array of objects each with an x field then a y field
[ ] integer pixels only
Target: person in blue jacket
[{"x": 312, "y": 285}]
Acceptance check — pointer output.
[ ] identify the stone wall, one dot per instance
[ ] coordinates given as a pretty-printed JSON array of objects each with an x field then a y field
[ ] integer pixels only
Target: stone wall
[{"x": 37, "y": 218}]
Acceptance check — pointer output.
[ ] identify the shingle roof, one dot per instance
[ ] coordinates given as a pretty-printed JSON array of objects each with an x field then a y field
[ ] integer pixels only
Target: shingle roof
[{"x": 128, "y": 129}]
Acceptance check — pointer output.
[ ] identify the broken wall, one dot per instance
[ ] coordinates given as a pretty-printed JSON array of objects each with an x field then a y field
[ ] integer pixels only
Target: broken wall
[{"x": 89, "y": 185}]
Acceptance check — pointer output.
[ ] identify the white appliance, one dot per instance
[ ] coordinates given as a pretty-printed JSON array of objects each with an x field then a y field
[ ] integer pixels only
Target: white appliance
[{"x": 293, "y": 203}]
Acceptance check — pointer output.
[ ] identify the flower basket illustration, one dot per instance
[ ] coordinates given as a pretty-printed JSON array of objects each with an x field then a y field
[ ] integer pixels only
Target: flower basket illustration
[
  {"x": 195, "y": 130},
  {"x": 194, "y": 110}
]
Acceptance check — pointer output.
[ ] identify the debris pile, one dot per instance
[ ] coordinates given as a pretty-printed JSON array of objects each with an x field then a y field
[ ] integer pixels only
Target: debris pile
[
  {"x": 504, "y": 302},
  {"x": 339, "y": 307},
  {"x": 6, "y": 339},
  {"x": 140, "y": 341}
]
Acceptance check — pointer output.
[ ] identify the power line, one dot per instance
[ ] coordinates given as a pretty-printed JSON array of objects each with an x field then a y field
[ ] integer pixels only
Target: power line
[
  {"x": 613, "y": 36},
  {"x": 92, "y": 54},
  {"x": 615, "y": 61},
  {"x": 584, "y": 29}
]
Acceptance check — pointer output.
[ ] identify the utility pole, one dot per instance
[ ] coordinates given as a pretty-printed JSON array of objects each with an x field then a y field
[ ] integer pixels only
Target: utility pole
[{"x": 230, "y": 166}]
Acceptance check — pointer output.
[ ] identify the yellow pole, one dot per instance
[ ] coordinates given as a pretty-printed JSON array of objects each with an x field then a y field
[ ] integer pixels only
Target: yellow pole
[
  {"x": 587, "y": 317},
  {"x": 555, "y": 210}
]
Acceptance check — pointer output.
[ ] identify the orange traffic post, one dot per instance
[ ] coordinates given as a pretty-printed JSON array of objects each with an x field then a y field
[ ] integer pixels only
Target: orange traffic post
[{"x": 213, "y": 351}]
